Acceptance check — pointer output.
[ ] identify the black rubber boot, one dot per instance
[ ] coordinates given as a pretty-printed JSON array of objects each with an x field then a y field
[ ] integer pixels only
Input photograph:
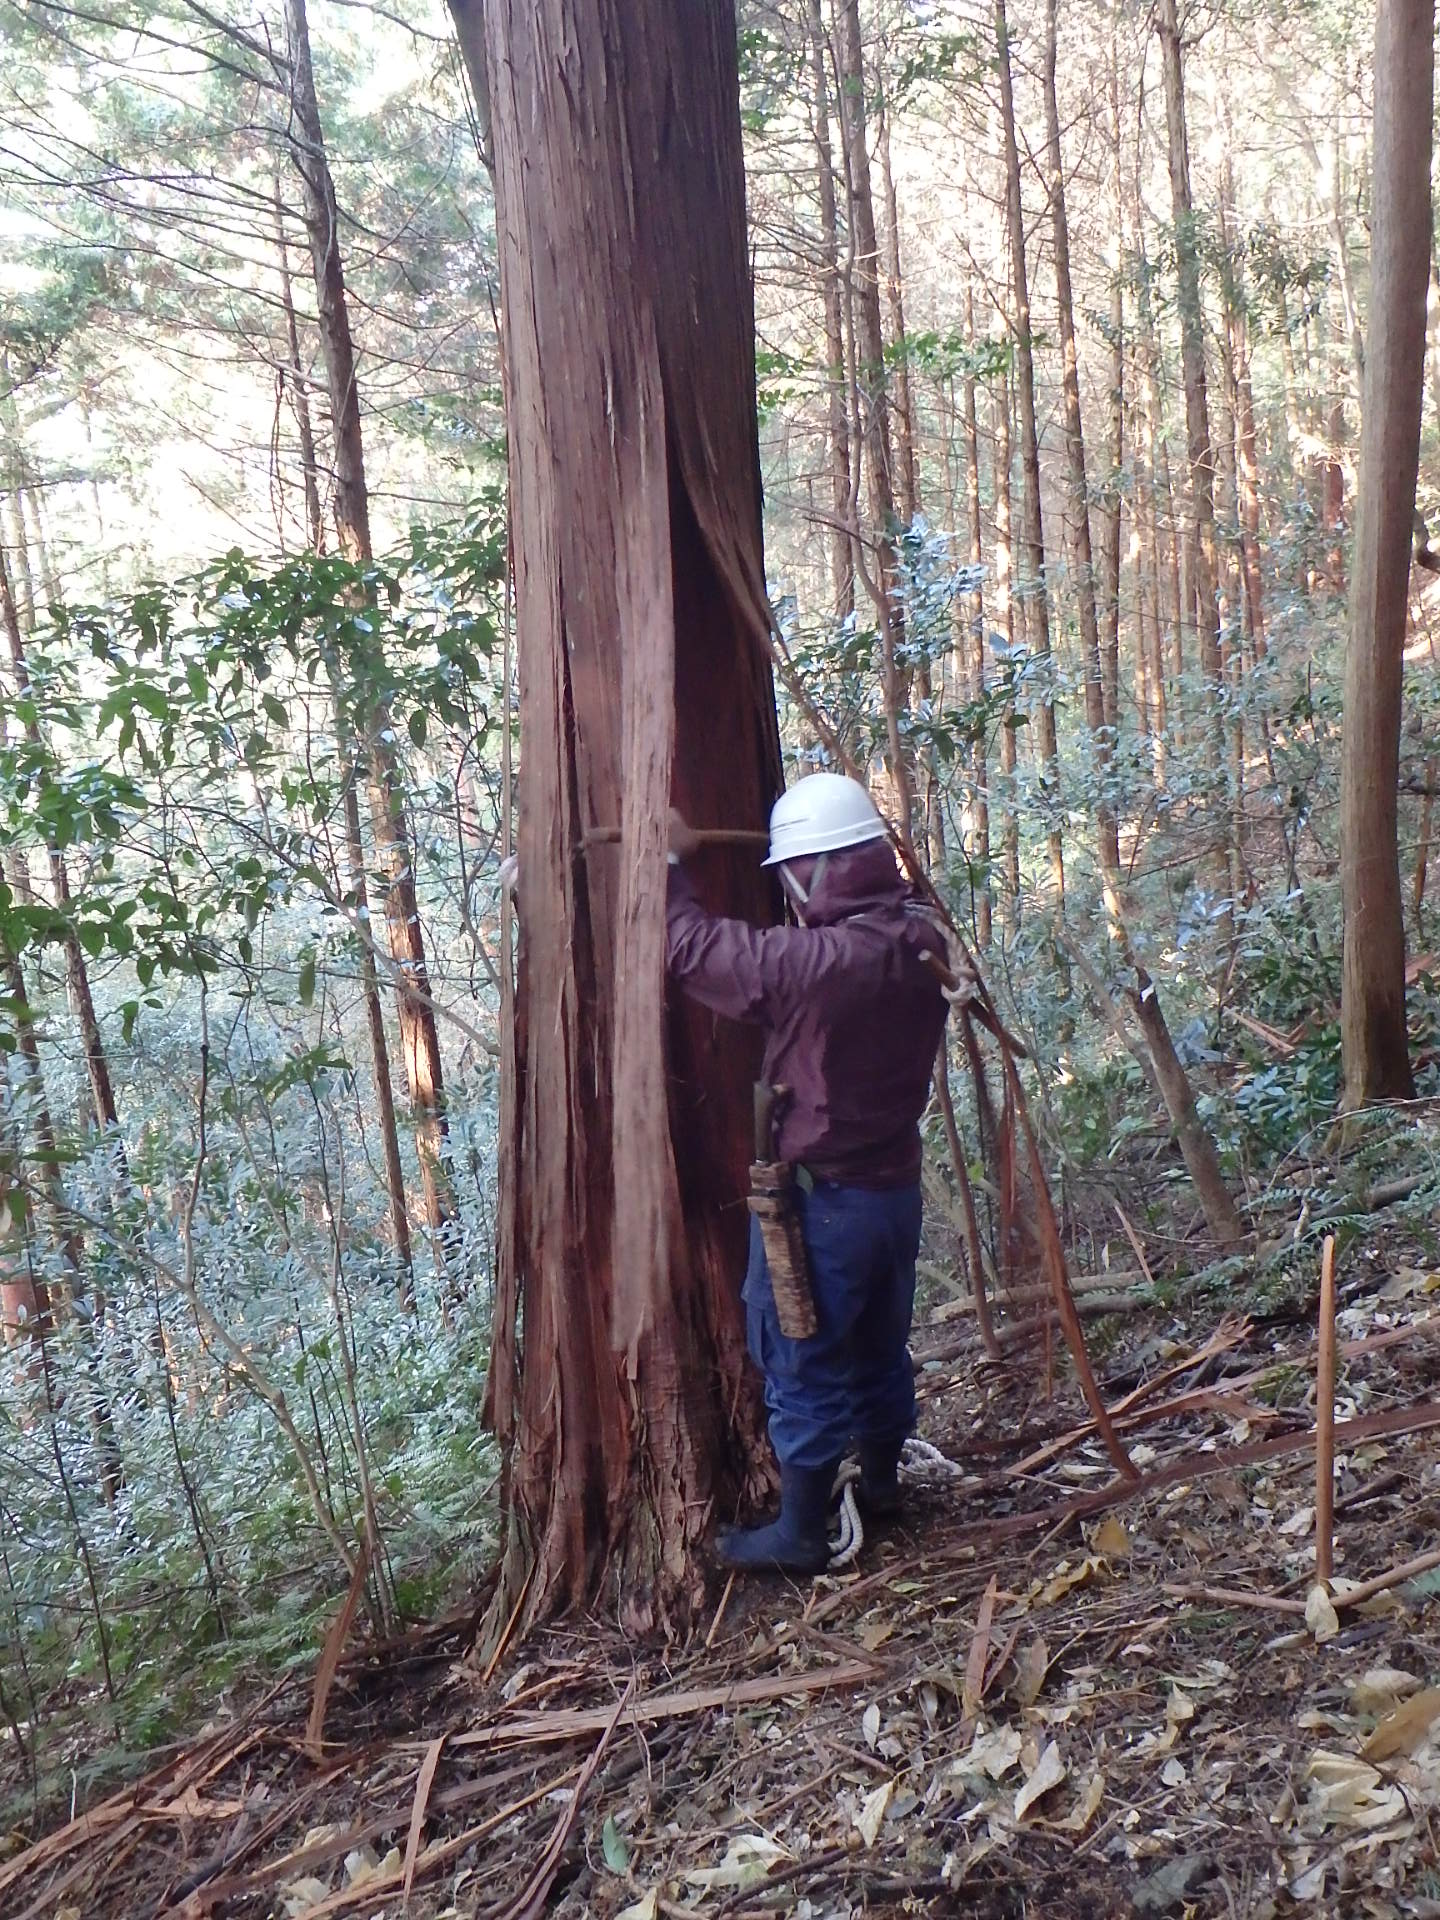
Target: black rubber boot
[
  {"x": 795, "y": 1541},
  {"x": 879, "y": 1491}
]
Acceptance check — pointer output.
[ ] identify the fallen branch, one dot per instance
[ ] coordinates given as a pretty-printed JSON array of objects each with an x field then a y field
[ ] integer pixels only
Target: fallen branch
[
  {"x": 1386, "y": 1582},
  {"x": 1204, "y": 1466},
  {"x": 330, "y": 1654},
  {"x": 569, "y": 1723},
  {"x": 531, "y": 1901}
]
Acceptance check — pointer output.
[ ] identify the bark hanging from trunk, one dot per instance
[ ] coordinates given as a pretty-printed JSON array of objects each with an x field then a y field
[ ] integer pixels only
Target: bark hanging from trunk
[
  {"x": 420, "y": 1040},
  {"x": 1374, "y": 1049},
  {"x": 641, "y": 632}
]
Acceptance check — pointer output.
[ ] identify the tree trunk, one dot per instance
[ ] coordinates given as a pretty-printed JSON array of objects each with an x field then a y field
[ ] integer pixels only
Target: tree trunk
[
  {"x": 1079, "y": 492},
  {"x": 1111, "y": 494},
  {"x": 357, "y": 888},
  {"x": 82, "y": 1002},
  {"x": 1037, "y": 610},
  {"x": 871, "y": 394},
  {"x": 299, "y": 390},
  {"x": 1200, "y": 590},
  {"x": 641, "y": 627},
  {"x": 974, "y": 633},
  {"x": 1374, "y": 1049},
  {"x": 842, "y": 559},
  {"x": 1005, "y": 614},
  {"x": 895, "y": 302},
  {"x": 420, "y": 1040}
]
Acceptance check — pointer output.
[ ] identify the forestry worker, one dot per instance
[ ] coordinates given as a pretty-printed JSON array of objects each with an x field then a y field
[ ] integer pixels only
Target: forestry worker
[{"x": 853, "y": 1017}]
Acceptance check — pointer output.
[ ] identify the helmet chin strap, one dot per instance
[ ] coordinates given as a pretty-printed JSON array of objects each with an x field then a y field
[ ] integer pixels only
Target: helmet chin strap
[{"x": 800, "y": 898}]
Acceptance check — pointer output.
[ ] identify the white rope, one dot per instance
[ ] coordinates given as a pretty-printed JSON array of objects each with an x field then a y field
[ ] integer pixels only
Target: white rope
[
  {"x": 921, "y": 1462},
  {"x": 845, "y": 1544}
]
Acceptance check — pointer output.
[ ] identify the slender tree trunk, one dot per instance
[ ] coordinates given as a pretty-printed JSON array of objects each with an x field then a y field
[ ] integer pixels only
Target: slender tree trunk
[
  {"x": 1112, "y": 497},
  {"x": 357, "y": 887},
  {"x": 842, "y": 559},
  {"x": 22, "y": 579},
  {"x": 1373, "y": 1040},
  {"x": 1202, "y": 584},
  {"x": 66, "y": 1237},
  {"x": 82, "y": 1002},
  {"x": 1037, "y": 610},
  {"x": 895, "y": 302},
  {"x": 974, "y": 627},
  {"x": 1005, "y": 614},
  {"x": 875, "y": 411},
  {"x": 420, "y": 1040},
  {"x": 641, "y": 631}
]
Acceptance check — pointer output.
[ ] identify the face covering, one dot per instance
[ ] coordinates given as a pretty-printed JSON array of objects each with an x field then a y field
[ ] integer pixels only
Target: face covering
[{"x": 800, "y": 896}]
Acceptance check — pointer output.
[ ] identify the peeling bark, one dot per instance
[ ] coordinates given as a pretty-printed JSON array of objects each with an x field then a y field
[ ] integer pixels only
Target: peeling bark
[{"x": 644, "y": 675}]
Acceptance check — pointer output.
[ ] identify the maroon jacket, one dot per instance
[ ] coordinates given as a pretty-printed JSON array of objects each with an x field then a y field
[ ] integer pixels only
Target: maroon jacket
[{"x": 854, "y": 1015}]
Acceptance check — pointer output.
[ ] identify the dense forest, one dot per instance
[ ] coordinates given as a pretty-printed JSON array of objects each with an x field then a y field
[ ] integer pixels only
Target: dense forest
[{"x": 1074, "y": 527}]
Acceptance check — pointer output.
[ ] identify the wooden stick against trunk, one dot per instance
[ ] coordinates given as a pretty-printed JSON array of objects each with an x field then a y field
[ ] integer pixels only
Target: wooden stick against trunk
[
  {"x": 707, "y": 836},
  {"x": 1325, "y": 1421}
]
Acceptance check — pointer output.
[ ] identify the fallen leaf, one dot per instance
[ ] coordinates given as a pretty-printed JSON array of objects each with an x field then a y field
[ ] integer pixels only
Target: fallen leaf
[
  {"x": 1111, "y": 1537},
  {"x": 1166, "y": 1888},
  {"x": 300, "y": 1895},
  {"x": 1179, "y": 1708},
  {"x": 1320, "y": 1615},
  {"x": 748, "y": 1859},
  {"x": 361, "y": 1865},
  {"x": 876, "y": 1634},
  {"x": 1379, "y": 1689},
  {"x": 1050, "y": 1770},
  {"x": 645, "y": 1908},
  {"x": 1086, "y": 1808},
  {"x": 1034, "y": 1664},
  {"x": 1404, "y": 1730},
  {"x": 1064, "y": 1578},
  {"x": 1345, "y": 1791},
  {"x": 614, "y": 1846},
  {"x": 1298, "y": 1523},
  {"x": 871, "y": 1816},
  {"x": 992, "y": 1754},
  {"x": 1173, "y": 1773},
  {"x": 870, "y": 1725}
]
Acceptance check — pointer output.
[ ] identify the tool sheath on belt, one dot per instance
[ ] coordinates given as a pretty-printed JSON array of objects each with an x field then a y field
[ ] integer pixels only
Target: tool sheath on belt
[{"x": 772, "y": 1201}]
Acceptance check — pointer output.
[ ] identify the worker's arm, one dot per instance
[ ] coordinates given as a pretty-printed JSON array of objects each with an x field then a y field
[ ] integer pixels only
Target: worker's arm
[{"x": 744, "y": 972}]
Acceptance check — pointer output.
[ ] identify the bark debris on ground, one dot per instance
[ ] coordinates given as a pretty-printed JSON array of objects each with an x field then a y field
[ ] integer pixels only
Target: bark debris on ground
[{"x": 1044, "y": 1692}]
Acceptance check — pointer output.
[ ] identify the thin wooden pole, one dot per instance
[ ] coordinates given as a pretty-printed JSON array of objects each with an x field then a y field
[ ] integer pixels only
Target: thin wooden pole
[{"x": 1325, "y": 1421}]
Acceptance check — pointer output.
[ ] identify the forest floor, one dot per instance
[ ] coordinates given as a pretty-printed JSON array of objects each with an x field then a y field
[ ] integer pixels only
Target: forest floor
[{"x": 1044, "y": 1693}]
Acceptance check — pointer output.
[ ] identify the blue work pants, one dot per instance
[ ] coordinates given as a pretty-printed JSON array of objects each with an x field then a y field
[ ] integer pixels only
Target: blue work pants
[{"x": 852, "y": 1381}]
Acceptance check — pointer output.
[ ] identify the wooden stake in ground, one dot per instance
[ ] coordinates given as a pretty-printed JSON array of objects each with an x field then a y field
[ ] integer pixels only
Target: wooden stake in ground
[{"x": 1325, "y": 1421}]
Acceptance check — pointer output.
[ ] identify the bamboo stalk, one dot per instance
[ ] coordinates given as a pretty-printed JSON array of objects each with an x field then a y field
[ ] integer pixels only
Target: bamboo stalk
[{"x": 1325, "y": 1421}]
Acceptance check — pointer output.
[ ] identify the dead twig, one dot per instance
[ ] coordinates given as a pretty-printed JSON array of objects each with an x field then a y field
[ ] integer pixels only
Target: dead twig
[{"x": 1325, "y": 1421}]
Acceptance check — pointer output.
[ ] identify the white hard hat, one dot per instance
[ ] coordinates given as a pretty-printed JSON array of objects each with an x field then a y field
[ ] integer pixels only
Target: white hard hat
[{"x": 821, "y": 814}]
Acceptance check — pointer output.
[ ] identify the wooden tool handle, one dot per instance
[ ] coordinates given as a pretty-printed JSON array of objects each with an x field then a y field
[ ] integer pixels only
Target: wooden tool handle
[{"x": 707, "y": 836}]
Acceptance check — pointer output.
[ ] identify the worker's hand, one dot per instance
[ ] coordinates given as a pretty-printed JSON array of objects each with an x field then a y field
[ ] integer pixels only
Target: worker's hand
[
  {"x": 684, "y": 841},
  {"x": 510, "y": 875}
]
